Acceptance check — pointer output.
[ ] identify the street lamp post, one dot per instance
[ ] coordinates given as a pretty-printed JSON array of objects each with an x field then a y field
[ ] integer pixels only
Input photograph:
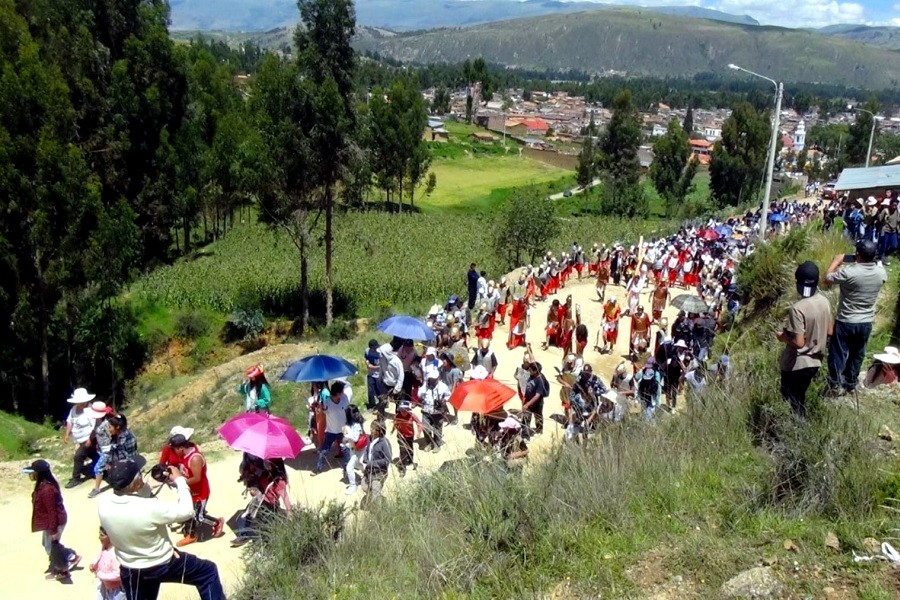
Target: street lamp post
[
  {"x": 773, "y": 142},
  {"x": 871, "y": 133}
]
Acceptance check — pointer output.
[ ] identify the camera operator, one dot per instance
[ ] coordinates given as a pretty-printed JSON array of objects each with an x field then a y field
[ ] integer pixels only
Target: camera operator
[{"x": 136, "y": 521}]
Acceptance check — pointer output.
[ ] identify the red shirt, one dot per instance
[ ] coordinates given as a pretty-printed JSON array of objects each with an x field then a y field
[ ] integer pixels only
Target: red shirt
[
  {"x": 168, "y": 457},
  {"x": 199, "y": 490},
  {"x": 404, "y": 423}
]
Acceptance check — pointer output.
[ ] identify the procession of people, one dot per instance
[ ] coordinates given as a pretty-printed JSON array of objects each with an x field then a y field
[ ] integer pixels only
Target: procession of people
[{"x": 446, "y": 363}]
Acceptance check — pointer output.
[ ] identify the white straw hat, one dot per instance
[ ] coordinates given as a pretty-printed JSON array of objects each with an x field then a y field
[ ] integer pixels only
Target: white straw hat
[
  {"x": 81, "y": 396},
  {"x": 891, "y": 356}
]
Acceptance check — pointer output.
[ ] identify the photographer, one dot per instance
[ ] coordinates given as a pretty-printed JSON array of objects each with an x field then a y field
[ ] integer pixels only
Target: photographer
[
  {"x": 136, "y": 521},
  {"x": 860, "y": 281}
]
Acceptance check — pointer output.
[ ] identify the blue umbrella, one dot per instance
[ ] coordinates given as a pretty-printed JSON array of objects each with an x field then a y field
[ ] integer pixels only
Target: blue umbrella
[
  {"x": 320, "y": 367},
  {"x": 776, "y": 217},
  {"x": 408, "y": 328},
  {"x": 723, "y": 230}
]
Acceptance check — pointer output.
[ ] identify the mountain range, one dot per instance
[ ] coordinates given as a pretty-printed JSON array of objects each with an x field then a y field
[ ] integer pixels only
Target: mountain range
[{"x": 644, "y": 42}]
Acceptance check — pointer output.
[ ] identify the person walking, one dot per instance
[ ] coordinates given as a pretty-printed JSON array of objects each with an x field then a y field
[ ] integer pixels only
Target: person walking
[
  {"x": 377, "y": 460},
  {"x": 255, "y": 389},
  {"x": 136, "y": 522},
  {"x": 48, "y": 515},
  {"x": 335, "y": 409},
  {"x": 79, "y": 426},
  {"x": 860, "y": 283},
  {"x": 804, "y": 337},
  {"x": 434, "y": 397},
  {"x": 536, "y": 390},
  {"x": 405, "y": 424},
  {"x": 372, "y": 358},
  {"x": 193, "y": 467}
]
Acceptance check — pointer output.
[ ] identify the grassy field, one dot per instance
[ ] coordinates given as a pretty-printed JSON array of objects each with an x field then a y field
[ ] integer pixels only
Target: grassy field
[
  {"x": 479, "y": 184},
  {"x": 18, "y": 436}
]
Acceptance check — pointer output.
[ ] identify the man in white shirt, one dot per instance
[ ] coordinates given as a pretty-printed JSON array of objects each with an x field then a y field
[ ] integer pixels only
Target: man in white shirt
[
  {"x": 79, "y": 425},
  {"x": 136, "y": 522},
  {"x": 335, "y": 420},
  {"x": 434, "y": 396}
]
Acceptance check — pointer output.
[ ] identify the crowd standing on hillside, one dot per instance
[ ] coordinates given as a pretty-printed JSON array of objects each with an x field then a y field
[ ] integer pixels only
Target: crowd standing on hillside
[{"x": 693, "y": 269}]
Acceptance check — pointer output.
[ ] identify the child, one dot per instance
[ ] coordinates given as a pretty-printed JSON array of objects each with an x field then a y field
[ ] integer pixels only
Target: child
[
  {"x": 106, "y": 568},
  {"x": 405, "y": 424}
]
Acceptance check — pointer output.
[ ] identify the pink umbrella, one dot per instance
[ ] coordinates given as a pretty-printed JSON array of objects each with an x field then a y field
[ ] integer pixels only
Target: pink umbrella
[
  {"x": 262, "y": 435},
  {"x": 708, "y": 235}
]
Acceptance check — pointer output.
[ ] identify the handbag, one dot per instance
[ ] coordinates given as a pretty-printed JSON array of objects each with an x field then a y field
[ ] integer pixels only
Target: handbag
[{"x": 361, "y": 442}]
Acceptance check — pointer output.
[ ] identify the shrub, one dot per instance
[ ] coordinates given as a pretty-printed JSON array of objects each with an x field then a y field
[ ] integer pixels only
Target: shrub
[
  {"x": 191, "y": 325},
  {"x": 338, "y": 331},
  {"x": 245, "y": 324}
]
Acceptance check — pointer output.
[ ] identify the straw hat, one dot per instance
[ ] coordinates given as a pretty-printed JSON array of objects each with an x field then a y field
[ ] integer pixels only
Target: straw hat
[
  {"x": 98, "y": 409},
  {"x": 891, "y": 356},
  {"x": 478, "y": 373},
  {"x": 81, "y": 396}
]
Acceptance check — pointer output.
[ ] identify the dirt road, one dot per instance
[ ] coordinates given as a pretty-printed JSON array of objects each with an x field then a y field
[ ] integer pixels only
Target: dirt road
[{"x": 22, "y": 559}]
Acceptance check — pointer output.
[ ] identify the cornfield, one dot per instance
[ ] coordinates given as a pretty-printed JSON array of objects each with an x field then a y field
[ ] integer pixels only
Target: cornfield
[{"x": 382, "y": 261}]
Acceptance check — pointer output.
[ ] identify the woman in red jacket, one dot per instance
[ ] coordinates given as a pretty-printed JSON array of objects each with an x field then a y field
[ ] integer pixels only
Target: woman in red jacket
[{"x": 49, "y": 517}]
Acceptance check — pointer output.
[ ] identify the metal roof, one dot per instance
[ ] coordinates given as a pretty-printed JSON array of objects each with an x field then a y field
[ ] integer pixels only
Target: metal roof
[{"x": 874, "y": 177}]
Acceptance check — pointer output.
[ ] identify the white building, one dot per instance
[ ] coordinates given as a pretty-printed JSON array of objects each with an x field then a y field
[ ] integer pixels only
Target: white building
[{"x": 799, "y": 136}]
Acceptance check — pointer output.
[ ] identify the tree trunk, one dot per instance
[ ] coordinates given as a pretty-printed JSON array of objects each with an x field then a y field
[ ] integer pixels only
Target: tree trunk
[
  {"x": 44, "y": 324},
  {"x": 304, "y": 271},
  {"x": 329, "y": 249},
  {"x": 187, "y": 235},
  {"x": 400, "y": 197}
]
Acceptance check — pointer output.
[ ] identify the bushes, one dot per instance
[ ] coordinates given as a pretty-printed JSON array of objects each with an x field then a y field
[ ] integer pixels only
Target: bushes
[
  {"x": 191, "y": 325},
  {"x": 245, "y": 324}
]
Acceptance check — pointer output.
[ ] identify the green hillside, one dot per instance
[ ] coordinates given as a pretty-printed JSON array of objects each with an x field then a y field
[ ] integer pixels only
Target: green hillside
[
  {"x": 886, "y": 37},
  {"x": 641, "y": 42}
]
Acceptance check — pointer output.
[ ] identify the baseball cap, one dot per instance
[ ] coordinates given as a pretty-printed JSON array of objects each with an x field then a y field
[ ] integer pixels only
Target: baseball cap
[
  {"x": 38, "y": 466},
  {"x": 123, "y": 472},
  {"x": 807, "y": 276}
]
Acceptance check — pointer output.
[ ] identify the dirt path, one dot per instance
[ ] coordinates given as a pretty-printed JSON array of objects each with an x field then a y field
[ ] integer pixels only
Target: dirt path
[{"x": 22, "y": 559}]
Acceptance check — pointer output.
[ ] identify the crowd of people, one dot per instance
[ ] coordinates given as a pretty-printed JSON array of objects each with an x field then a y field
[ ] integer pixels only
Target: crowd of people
[
  {"x": 876, "y": 219},
  {"x": 409, "y": 387}
]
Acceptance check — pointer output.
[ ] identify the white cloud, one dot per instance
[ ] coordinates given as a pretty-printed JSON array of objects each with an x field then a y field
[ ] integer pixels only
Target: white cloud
[{"x": 799, "y": 13}]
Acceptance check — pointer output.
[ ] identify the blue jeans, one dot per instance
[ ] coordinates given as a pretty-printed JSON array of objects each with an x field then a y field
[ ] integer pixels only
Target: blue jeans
[
  {"x": 846, "y": 353},
  {"x": 143, "y": 584},
  {"x": 330, "y": 440},
  {"x": 887, "y": 244}
]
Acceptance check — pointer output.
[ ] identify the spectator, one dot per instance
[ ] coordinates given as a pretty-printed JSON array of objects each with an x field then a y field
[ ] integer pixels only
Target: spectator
[
  {"x": 106, "y": 568},
  {"x": 79, "y": 426},
  {"x": 434, "y": 399},
  {"x": 804, "y": 337},
  {"x": 167, "y": 456},
  {"x": 114, "y": 441},
  {"x": 537, "y": 389},
  {"x": 860, "y": 283},
  {"x": 135, "y": 521},
  {"x": 405, "y": 424},
  {"x": 372, "y": 357},
  {"x": 472, "y": 285}
]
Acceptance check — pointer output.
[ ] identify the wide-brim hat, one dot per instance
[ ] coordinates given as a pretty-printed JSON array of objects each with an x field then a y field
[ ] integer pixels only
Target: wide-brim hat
[
  {"x": 187, "y": 432},
  {"x": 98, "y": 409},
  {"x": 80, "y": 396},
  {"x": 478, "y": 373},
  {"x": 510, "y": 423},
  {"x": 254, "y": 371},
  {"x": 891, "y": 356},
  {"x": 610, "y": 395}
]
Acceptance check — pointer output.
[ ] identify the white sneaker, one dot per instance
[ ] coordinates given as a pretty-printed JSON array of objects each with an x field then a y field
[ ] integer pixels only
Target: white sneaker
[{"x": 351, "y": 489}]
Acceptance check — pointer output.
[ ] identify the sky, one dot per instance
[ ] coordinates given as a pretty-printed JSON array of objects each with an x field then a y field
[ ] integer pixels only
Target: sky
[{"x": 795, "y": 13}]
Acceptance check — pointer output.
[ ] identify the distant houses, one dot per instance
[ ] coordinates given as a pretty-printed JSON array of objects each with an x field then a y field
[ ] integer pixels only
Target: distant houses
[{"x": 702, "y": 149}]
